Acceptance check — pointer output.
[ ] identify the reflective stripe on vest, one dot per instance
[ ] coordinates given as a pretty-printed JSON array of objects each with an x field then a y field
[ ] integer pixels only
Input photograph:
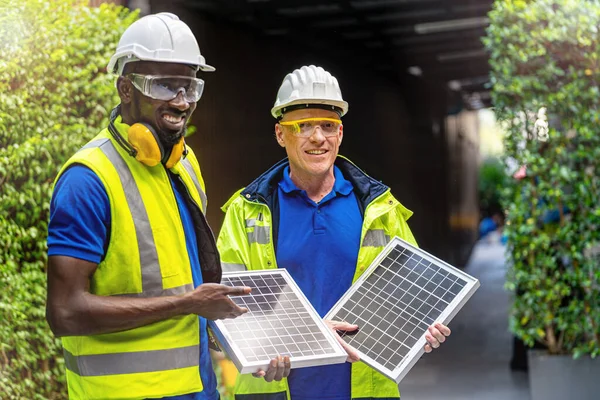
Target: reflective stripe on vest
[
  {"x": 375, "y": 238},
  {"x": 150, "y": 268},
  {"x": 134, "y": 362},
  {"x": 231, "y": 267},
  {"x": 262, "y": 396},
  {"x": 190, "y": 170}
]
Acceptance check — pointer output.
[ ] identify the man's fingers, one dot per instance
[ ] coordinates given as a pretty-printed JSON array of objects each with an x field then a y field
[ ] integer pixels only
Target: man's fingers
[
  {"x": 353, "y": 355},
  {"x": 431, "y": 340},
  {"x": 270, "y": 374},
  {"x": 434, "y": 332},
  {"x": 237, "y": 290},
  {"x": 337, "y": 326},
  {"x": 239, "y": 310},
  {"x": 443, "y": 329},
  {"x": 435, "y": 335},
  {"x": 258, "y": 374},
  {"x": 341, "y": 326},
  {"x": 236, "y": 310},
  {"x": 280, "y": 369},
  {"x": 287, "y": 366}
]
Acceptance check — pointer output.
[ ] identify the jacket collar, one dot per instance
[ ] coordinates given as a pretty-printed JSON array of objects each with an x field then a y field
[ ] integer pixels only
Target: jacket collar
[{"x": 262, "y": 189}]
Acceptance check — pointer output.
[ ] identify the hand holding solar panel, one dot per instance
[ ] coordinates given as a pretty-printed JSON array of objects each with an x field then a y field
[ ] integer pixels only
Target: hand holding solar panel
[
  {"x": 402, "y": 293},
  {"x": 280, "y": 321},
  {"x": 279, "y": 368},
  {"x": 435, "y": 336},
  {"x": 341, "y": 328},
  {"x": 396, "y": 300},
  {"x": 212, "y": 301}
]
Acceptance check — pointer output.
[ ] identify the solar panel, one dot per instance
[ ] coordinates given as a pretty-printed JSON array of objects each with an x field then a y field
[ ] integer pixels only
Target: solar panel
[
  {"x": 280, "y": 320},
  {"x": 402, "y": 293}
]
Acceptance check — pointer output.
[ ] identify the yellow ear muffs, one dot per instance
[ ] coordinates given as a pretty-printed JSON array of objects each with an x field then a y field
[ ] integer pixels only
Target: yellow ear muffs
[
  {"x": 144, "y": 144},
  {"x": 176, "y": 154},
  {"x": 145, "y": 141}
]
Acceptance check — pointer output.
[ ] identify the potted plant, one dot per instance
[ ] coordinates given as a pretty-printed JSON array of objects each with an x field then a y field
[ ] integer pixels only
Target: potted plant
[{"x": 544, "y": 58}]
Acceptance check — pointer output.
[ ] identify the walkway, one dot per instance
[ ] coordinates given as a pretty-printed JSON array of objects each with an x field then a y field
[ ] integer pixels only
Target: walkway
[{"x": 473, "y": 363}]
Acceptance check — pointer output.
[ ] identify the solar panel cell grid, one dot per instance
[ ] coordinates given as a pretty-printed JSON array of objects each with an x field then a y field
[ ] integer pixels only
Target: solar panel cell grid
[
  {"x": 402, "y": 295},
  {"x": 278, "y": 322},
  {"x": 268, "y": 329}
]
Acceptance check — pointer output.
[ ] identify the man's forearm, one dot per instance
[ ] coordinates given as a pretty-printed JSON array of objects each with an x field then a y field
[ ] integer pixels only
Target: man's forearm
[
  {"x": 89, "y": 314},
  {"x": 72, "y": 310}
]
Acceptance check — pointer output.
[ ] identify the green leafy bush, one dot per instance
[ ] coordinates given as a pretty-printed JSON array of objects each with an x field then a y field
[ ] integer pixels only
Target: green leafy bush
[
  {"x": 54, "y": 96},
  {"x": 492, "y": 178},
  {"x": 544, "y": 57}
]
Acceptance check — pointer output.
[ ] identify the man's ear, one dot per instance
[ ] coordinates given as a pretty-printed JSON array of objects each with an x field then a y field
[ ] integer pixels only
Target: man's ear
[
  {"x": 279, "y": 135},
  {"x": 125, "y": 89}
]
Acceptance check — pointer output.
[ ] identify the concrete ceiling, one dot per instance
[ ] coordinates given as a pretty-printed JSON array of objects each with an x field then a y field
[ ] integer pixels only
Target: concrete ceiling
[{"x": 438, "y": 40}]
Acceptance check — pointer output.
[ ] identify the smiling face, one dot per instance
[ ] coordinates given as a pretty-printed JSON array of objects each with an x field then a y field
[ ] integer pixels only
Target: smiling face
[
  {"x": 169, "y": 118},
  {"x": 311, "y": 158}
]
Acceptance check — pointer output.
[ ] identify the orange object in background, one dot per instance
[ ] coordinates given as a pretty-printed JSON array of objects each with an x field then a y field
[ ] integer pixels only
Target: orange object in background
[{"x": 228, "y": 373}]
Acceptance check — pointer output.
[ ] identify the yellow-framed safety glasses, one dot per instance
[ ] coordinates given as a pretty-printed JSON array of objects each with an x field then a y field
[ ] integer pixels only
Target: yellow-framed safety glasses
[{"x": 305, "y": 127}]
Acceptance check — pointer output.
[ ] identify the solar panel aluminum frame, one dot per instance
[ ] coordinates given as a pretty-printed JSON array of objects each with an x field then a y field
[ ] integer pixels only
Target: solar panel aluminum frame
[
  {"x": 244, "y": 366},
  {"x": 417, "y": 350}
]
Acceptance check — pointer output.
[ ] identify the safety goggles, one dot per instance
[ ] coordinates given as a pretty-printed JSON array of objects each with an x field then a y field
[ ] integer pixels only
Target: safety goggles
[
  {"x": 167, "y": 87},
  {"x": 305, "y": 127}
]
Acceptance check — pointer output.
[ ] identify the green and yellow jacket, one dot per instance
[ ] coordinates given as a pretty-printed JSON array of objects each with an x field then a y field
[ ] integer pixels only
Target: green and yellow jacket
[{"x": 248, "y": 241}]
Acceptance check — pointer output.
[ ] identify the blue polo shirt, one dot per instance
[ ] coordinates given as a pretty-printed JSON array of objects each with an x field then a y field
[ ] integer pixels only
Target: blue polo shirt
[
  {"x": 80, "y": 225},
  {"x": 318, "y": 244}
]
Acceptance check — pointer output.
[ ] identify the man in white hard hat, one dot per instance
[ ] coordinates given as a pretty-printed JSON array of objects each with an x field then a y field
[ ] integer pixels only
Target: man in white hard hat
[
  {"x": 324, "y": 220},
  {"x": 133, "y": 268}
]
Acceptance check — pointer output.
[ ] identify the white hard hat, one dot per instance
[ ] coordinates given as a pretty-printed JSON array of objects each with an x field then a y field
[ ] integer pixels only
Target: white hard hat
[
  {"x": 309, "y": 85},
  {"x": 161, "y": 37}
]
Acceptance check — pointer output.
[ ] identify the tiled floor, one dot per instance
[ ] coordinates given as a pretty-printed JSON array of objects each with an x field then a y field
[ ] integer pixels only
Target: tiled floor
[{"x": 473, "y": 363}]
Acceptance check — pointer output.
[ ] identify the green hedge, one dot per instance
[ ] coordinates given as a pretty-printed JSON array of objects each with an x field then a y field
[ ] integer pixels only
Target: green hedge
[
  {"x": 492, "y": 178},
  {"x": 54, "y": 96},
  {"x": 545, "y": 54}
]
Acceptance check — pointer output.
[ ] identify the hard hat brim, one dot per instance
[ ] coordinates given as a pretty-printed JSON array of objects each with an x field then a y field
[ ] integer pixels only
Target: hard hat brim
[
  {"x": 342, "y": 105},
  {"x": 113, "y": 64},
  {"x": 206, "y": 68}
]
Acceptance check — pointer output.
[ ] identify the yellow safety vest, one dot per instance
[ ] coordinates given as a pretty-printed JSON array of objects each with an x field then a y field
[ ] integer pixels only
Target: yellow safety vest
[
  {"x": 146, "y": 257},
  {"x": 246, "y": 242}
]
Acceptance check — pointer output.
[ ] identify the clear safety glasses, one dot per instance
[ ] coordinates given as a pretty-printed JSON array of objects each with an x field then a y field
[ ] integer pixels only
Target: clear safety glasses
[
  {"x": 305, "y": 127},
  {"x": 167, "y": 87}
]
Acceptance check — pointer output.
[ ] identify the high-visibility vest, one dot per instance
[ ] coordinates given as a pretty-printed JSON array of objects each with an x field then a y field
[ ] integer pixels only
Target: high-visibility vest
[
  {"x": 247, "y": 242},
  {"x": 146, "y": 257}
]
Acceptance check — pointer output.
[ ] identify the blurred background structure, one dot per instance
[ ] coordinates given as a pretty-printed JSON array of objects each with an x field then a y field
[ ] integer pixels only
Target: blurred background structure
[{"x": 413, "y": 71}]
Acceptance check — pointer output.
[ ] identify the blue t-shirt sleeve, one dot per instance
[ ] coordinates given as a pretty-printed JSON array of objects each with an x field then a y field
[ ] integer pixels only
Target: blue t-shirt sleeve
[{"x": 79, "y": 216}]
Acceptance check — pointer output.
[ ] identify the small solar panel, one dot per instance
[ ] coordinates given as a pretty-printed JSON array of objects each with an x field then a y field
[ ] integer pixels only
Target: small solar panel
[
  {"x": 402, "y": 293},
  {"x": 280, "y": 320}
]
